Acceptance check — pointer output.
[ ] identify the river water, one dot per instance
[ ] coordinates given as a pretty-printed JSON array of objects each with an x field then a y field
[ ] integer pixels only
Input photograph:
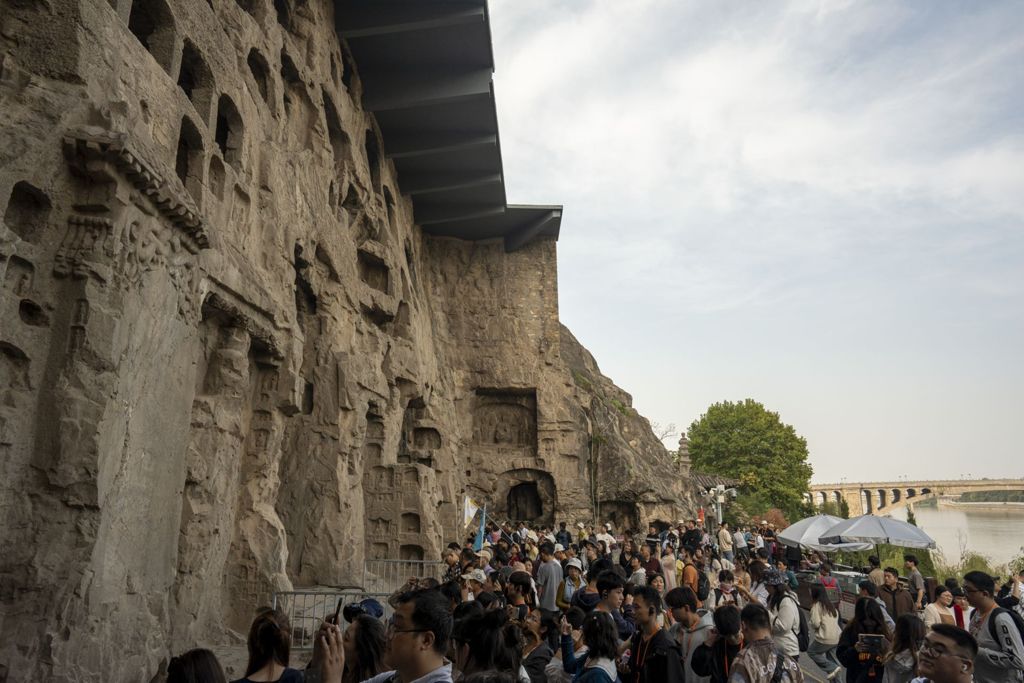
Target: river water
[{"x": 997, "y": 534}]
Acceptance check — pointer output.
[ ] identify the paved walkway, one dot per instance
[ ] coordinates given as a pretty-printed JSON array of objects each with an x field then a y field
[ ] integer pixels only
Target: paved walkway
[{"x": 812, "y": 673}]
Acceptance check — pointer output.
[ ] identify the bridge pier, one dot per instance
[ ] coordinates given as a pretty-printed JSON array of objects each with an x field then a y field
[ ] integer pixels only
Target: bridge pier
[{"x": 883, "y": 497}]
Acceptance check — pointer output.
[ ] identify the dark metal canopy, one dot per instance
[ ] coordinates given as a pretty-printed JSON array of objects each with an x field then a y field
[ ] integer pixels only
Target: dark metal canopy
[{"x": 426, "y": 69}]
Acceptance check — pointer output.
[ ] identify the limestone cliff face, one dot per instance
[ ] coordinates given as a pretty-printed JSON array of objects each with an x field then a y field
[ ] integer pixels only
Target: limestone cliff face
[
  {"x": 635, "y": 480},
  {"x": 230, "y": 361}
]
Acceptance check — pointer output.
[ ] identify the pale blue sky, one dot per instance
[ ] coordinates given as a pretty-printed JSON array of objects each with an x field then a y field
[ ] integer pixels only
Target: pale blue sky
[{"x": 818, "y": 205}]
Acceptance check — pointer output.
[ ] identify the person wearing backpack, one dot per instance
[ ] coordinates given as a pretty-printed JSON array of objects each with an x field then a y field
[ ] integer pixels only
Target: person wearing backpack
[
  {"x": 726, "y": 593},
  {"x": 787, "y": 622},
  {"x": 694, "y": 578},
  {"x": 999, "y": 632},
  {"x": 760, "y": 660}
]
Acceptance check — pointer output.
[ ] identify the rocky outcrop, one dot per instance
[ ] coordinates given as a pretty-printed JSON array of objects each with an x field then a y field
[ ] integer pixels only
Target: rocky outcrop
[
  {"x": 230, "y": 361},
  {"x": 634, "y": 480}
]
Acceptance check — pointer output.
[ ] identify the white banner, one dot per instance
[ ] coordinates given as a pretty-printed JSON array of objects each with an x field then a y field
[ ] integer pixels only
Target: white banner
[{"x": 469, "y": 511}]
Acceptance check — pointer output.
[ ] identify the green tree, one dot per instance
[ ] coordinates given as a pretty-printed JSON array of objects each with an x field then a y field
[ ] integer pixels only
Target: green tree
[
  {"x": 840, "y": 509},
  {"x": 746, "y": 441}
]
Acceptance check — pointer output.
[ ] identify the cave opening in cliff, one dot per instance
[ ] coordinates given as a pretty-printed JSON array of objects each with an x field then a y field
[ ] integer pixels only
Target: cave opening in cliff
[{"x": 524, "y": 502}]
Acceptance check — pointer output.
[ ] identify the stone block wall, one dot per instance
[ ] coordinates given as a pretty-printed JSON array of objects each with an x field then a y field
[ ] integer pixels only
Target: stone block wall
[{"x": 230, "y": 362}]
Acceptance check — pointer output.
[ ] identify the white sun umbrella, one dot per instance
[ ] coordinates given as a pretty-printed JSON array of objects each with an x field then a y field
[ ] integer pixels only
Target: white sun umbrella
[
  {"x": 807, "y": 532},
  {"x": 872, "y": 529}
]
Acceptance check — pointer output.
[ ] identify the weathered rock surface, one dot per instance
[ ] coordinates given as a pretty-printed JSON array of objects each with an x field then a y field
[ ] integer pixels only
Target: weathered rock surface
[{"x": 230, "y": 363}]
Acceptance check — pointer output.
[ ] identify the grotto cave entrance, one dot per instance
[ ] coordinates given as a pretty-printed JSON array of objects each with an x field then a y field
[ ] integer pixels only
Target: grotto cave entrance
[
  {"x": 624, "y": 515},
  {"x": 524, "y": 502}
]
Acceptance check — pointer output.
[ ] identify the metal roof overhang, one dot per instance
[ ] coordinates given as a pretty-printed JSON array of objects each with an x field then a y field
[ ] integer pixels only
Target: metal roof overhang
[{"x": 426, "y": 69}]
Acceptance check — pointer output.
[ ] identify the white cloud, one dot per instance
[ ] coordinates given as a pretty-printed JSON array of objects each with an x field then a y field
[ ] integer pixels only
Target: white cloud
[{"x": 859, "y": 165}]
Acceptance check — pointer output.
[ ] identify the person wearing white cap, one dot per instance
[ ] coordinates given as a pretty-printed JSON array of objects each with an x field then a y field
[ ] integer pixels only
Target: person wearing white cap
[
  {"x": 573, "y": 582},
  {"x": 606, "y": 536},
  {"x": 475, "y": 584}
]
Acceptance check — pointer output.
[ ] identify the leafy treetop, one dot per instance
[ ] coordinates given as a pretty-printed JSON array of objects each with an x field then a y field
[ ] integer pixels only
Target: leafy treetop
[{"x": 746, "y": 441}]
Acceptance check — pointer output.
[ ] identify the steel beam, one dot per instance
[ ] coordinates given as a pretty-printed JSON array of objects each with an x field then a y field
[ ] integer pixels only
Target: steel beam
[
  {"x": 405, "y": 89},
  {"x": 518, "y": 239},
  {"x": 385, "y": 18},
  {"x": 432, "y": 214},
  {"x": 407, "y": 145},
  {"x": 421, "y": 184}
]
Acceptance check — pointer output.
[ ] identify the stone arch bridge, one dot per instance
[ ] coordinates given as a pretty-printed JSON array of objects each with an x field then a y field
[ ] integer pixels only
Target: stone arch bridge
[{"x": 882, "y": 497}]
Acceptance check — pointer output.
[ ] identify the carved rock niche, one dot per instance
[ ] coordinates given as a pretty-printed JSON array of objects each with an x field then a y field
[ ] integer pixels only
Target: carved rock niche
[
  {"x": 373, "y": 270},
  {"x": 506, "y": 420}
]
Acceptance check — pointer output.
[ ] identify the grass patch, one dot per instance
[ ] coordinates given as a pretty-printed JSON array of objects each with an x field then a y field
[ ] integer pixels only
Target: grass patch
[{"x": 621, "y": 407}]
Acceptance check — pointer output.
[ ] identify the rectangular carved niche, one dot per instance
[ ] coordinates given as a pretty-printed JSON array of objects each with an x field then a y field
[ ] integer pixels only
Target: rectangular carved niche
[
  {"x": 373, "y": 271},
  {"x": 505, "y": 419}
]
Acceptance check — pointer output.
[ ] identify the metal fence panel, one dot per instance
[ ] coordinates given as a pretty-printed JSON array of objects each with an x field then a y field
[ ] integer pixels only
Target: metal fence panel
[
  {"x": 387, "y": 576},
  {"x": 306, "y": 610}
]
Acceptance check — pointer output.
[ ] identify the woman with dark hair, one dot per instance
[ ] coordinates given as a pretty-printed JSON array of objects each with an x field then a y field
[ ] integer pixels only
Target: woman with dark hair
[
  {"x": 785, "y": 613},
  {"x": 824, "y": 621},
  {"x": 489, "y": 642},
  {"x": 714, "y": 657},
  {"x": 195, "y": 666},
  {"x": 601, "y": 638},
  {"x": 521, "y": 595},
  {"x": 270, "y": 644},
  {"x": 758, "y": 591},
  {"x": 901, "y": 659},
  {"x": 554, "y": 671},
  {"x": 537, "y": 651},
  {"x": 863, "y": 643},
  {"x": 628, "y": 551},
  {"x": 364, "y": 642},
  {"x": 962, "y": 610}
]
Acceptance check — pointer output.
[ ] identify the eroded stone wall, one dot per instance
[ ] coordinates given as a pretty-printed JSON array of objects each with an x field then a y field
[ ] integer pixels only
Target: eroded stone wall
[{"x": 230, "y": 363}]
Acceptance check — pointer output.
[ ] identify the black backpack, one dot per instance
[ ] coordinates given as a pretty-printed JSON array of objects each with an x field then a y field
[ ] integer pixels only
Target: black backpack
[
  {"x": 803, "y": 635},
  {"x": 1018, "y": 621},
  {"x": 703, "y": 585}
]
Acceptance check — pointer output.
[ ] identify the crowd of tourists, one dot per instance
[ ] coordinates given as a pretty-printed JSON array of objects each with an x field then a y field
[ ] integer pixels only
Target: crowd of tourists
[{"x": 525, "y": 605}]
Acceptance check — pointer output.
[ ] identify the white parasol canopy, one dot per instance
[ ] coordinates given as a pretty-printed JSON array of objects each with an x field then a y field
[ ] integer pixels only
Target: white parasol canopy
[
  {"x": 807, "y": 532},
  {"x": 872, "y": 529}
]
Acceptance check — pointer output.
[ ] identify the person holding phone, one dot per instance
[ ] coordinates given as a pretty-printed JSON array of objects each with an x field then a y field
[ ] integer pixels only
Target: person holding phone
[
  {"x": 600, "y": 637},
  {"x": 863, "y": 643},
  {"x": 270, "y": 645}
]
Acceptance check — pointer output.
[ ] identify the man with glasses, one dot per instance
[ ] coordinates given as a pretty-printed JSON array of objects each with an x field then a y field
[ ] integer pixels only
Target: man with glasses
[
  {"x": 946, "y": 656},
  {"x": 1000, "y": 647},
  {"x": 418, "y": 634}
]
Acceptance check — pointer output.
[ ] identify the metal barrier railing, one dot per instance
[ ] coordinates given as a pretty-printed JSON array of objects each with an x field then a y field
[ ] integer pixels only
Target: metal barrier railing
[
  {"x": 387, "y": 576},
  {"x": 306, "y": 610}
]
